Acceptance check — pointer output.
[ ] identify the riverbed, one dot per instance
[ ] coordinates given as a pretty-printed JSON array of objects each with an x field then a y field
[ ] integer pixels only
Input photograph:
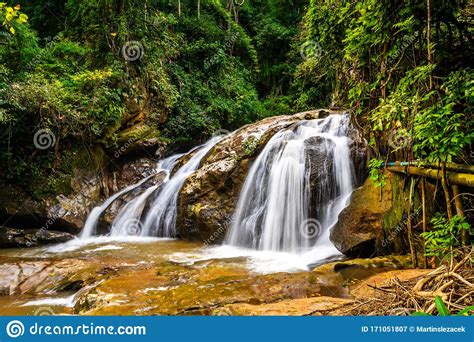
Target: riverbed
[{"x": 146, "y": 276}]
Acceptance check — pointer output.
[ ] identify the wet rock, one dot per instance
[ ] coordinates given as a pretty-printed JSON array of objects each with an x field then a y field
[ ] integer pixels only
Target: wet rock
[
  {"x": 361, "y": 222},
  {"x": 12, "y": 238},
  {"x": 359, "y": 154},
  {"x": 209, "y": 196},
  {"x": 320, "y": 159},
  {"x": 291, "y": 307},
  {"x": 157, "y": 179},
  {"x": 45, "y": 276}
]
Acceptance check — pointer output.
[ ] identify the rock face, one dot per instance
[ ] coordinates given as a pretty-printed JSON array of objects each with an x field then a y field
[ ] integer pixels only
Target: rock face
[
  {"x": 208, "y": 197},
  {"x": 68, "y": 212},
  {"x": 12, "y": 238}
]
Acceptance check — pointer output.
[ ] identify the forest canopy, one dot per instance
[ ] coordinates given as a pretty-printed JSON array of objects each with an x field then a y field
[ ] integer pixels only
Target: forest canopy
[{"x": 102, "y": 72}]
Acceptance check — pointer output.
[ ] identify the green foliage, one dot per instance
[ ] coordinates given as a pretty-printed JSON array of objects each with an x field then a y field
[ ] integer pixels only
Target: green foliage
[
  {"x": 224, "y": 64},
  {"x": 444, "y": 236},
  {"x": 376, "y": 172},
  {"x": 444, "y": 129},
  {"x": 404, "y": 102},
  {"x": 250, "y": 145},
  {"x": 372, "y": 57},
  {"x": 444, "y": 311},
  {"x": 11, "y": 17}
]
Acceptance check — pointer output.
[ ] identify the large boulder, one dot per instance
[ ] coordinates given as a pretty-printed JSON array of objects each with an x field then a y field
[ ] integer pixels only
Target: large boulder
[
  {"x": 361, "y": 222},
  {"x": 209, "y": 196},
  {"x": 375, "y": 222}
]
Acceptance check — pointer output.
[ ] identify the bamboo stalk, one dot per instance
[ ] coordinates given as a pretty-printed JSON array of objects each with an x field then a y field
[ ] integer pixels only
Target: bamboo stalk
[
  {"x": 449, "y": 166},
  {"x": 463, "y": 179}
]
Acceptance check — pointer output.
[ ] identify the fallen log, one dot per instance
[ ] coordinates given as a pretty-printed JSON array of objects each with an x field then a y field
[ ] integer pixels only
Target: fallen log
[
  {"x": 460, "y": 168},
  {"x": 464, "y": 179}
]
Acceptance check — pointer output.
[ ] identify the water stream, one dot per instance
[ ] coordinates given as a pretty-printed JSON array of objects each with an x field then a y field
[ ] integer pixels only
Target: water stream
[{"x": 274, "y": 209}]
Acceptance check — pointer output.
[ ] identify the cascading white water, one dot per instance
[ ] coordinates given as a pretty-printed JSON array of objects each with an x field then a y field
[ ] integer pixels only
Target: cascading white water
[
  {"x": 93, "y": 219},
  {"x": 273, "y": 211},
  {"x": 161, "y": 216},
  {"x": 127, "y": 221}
]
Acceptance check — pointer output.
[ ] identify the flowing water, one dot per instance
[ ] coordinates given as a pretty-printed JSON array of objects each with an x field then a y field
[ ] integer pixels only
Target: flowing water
[
  {"x": 160, "y": 219},
  {"x": 273, "y": 212}
]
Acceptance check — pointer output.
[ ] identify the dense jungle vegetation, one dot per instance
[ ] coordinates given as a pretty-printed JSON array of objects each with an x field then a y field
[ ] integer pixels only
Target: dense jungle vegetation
[{"x": 104, "y": 73}]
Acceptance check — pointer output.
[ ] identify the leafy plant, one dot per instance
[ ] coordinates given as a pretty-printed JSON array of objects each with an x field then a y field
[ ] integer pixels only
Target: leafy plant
[
  {"x": 443, "y": 238},
  {"x": 10, "y": 17},
  {"x": 376, "y": 172},
  {"x": 444, "y": 129},
  {"x": 444, "y": 311}
]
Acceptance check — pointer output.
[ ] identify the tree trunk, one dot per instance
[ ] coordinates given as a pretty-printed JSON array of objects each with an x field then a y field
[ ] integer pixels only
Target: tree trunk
[
  {"x": 428, "y": 39},
  {"x": 414, "y": 258},
  {"x": 447, "y": 195},
  {"x": 463, "y": 179},
  {"x": 423, "y": 208},
  {"x": 460, "y": 212}
]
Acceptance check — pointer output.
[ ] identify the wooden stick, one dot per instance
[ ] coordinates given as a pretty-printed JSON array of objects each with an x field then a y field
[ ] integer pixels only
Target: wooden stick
[
  {"x": 409, "y": 226},
  {"x": 447, "y": 195},
  {"x": 460, "y": 212},
  {"x": 423, "y": 208}
]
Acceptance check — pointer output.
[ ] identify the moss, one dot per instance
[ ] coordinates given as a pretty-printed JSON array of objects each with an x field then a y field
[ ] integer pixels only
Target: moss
[{"x": 394, "y": 239}]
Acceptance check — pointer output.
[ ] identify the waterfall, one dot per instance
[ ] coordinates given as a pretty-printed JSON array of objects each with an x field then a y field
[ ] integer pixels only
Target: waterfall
[
  {"x": 161, "y": 218},
  {"x": 93, "y": 219},
  {"x": 161, "y": 215},
  {"x": 127, "y": 221},
  {"x": 277, "y": 209}
]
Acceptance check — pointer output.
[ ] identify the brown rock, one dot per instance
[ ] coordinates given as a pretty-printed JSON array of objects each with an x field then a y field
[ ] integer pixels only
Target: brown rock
[{"x": 361, "y": 222}]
